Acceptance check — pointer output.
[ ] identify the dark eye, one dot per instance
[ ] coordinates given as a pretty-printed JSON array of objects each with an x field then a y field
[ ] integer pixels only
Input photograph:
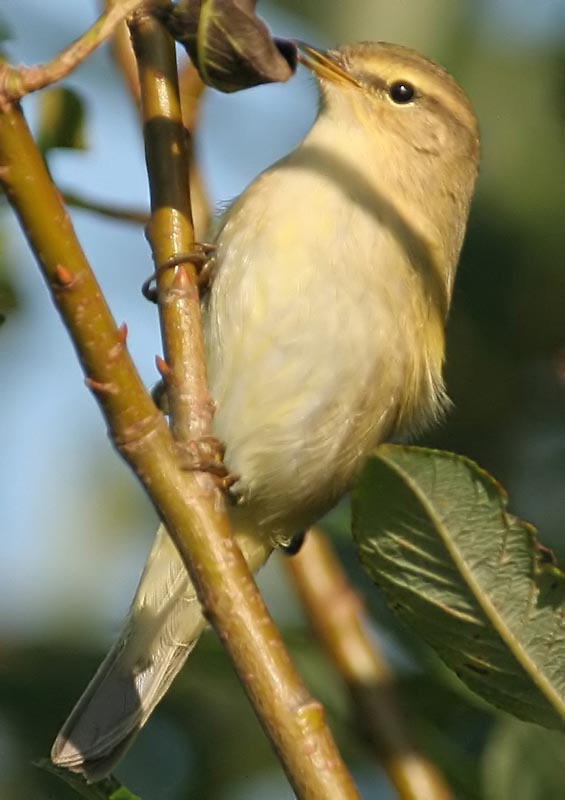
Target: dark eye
[{"x": 401, "y": 92}]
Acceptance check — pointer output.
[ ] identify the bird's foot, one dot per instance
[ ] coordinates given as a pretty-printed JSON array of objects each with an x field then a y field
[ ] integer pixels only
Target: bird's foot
[
  {"x": 206, "y": 455},
  {"x": 201, "y": 256},
  {"x": 201, "y": 455}
]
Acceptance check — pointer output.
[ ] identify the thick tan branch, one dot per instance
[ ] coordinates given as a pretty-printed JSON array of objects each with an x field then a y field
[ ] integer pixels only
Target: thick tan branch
[
  {"x": 171, "y": 231},
  {"x": 188, "y": 502},
  {"x": 226, "y": 589},
  {"x": 340, "y": 619},
  {"x": 191, "y": 91}
]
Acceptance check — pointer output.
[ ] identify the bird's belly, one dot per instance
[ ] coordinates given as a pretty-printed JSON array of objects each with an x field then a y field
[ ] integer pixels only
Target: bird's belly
[
  {"x": 297, "y": 434},
  {"x": 306, "y": 356}
]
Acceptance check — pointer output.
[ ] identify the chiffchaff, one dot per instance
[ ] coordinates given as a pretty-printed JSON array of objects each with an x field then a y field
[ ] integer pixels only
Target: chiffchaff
[{"x": 325, "y": 336}]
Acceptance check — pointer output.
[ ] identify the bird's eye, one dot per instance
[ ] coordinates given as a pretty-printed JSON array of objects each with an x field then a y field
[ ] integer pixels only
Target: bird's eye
[{"x": 401, "y": 92}]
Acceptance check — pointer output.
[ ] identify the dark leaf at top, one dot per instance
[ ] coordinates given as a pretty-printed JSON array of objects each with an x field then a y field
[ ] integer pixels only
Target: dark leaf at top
[{"x": 229, "y": 45}]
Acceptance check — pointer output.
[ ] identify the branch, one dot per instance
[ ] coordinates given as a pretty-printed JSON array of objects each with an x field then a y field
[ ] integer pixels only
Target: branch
[
  {"x": 339, "y": 618},
  {"x": 226, "y": 589},
  {"x": 188, "y": 502},
  {"x": 125, "y": 60},
  {"x": 171, "y": 232},
  {"x": 191, "y": 90},
  {"x": 15, "y": 82},
  {"x": 120, "y": 213}
]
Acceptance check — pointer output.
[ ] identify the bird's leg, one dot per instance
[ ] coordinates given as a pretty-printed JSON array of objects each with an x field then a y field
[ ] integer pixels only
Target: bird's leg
[
  {"x": 205, "y": 454},
  {"x": 295, "y": 545},
  {"x": 202, "y": 256}
]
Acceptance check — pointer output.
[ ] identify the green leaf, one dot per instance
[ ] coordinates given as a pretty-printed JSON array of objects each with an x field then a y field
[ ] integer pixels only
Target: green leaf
[
  {"x": 523, "y": 762},
  {"x": 433, "y": 531},
  {"x": 107, "y": 789},
  {"x": 61, "y": 120},
  {"x": 229, "y": 45}
]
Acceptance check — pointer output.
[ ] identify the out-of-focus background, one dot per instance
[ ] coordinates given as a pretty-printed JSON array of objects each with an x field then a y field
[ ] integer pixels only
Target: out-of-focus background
[{"x": 74, "y": 526}]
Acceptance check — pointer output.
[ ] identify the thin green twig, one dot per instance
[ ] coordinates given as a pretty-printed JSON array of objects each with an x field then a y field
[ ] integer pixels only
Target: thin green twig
[{"x": 16, "y": 82}]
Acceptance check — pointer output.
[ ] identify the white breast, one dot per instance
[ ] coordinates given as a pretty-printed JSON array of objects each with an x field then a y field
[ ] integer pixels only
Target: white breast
[{"x": 309, "y": 333}]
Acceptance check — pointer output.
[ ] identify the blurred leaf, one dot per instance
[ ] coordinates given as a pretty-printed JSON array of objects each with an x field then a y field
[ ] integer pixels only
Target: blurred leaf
[
  {"x": 108, "y": 789},
  {"x": 229, "y": 45},
  {"x": 523, "y": 762},
  {"x": 61, "y": 120},
  {"x": 433, "y": 532},
  {"x": 560, "y": 83},
  {"x": 449, "y": 729},
  {"x": 8, "y": 297},
  {"x": 8, "y": 300},
  {"x": 123, "y": 794},
  {"x": 206, "y": 706}
]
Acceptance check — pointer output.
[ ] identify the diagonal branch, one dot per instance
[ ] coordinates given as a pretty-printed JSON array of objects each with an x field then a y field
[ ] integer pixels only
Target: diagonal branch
[
  {"x": 188, "y": 502},
  {"x": 226, "y": 589},
  {"x": 340, "y": 619}
]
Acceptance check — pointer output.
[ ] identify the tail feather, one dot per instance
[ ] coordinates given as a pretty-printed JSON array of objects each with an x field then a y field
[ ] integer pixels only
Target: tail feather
[{"x": 162, "y": 628}]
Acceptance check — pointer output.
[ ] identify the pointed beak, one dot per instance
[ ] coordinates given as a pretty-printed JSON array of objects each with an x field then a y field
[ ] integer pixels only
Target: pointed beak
[{"x": 323, "y": 64}]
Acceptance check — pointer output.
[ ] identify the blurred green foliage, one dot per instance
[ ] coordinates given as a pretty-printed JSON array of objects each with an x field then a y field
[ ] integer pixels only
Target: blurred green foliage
[
  {"x": 62, "y": 121},
  {"x": 506, "y": 375},
  {"x": 9, "y": 297}
]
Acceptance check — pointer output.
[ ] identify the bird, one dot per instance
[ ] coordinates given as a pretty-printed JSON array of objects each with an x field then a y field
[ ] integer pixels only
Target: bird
[{"x": 325, "y": 336}]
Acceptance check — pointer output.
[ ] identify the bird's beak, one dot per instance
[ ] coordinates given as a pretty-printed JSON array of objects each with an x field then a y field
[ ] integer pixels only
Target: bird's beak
[{"x": 323, "y": 64}]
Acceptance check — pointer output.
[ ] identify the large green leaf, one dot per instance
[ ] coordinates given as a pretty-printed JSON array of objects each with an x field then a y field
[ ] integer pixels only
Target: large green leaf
[{"x": 433, "y": 531}]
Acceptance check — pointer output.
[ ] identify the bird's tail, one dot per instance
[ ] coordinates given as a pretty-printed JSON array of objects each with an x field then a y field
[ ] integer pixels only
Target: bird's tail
[{"x": 163, "y": 626}]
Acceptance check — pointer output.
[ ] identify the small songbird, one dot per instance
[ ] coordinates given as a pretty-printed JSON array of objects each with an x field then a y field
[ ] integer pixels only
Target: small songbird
[{"x": 325, "y": 336}]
